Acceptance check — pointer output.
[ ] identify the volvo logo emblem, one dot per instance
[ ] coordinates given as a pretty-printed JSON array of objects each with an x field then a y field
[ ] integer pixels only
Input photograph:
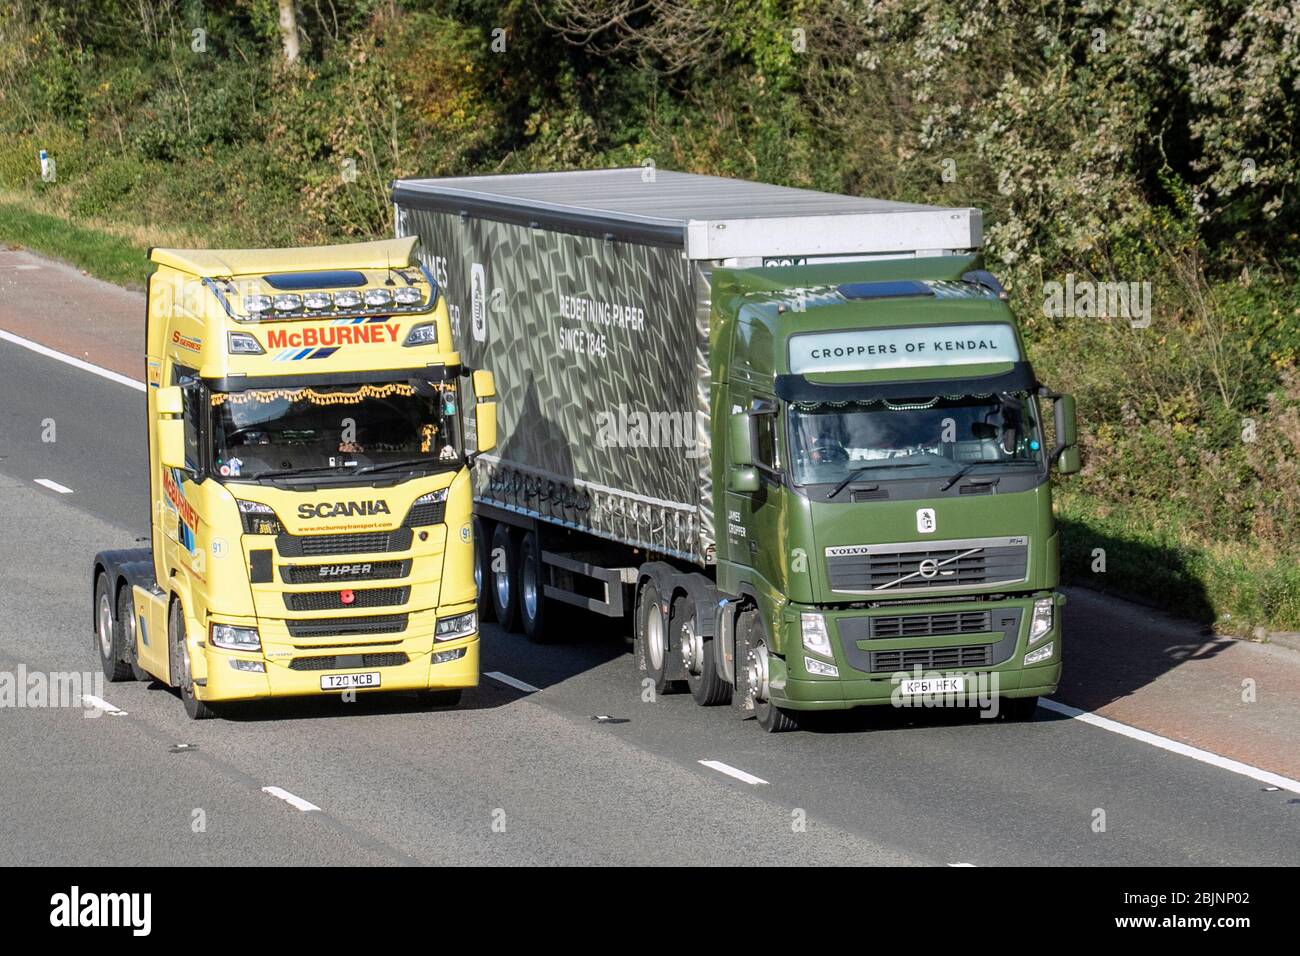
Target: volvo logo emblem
[{"x": 928, "y": 568}]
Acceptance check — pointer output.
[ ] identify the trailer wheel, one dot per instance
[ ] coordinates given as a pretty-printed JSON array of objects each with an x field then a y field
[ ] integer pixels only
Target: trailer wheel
[
  {"x": 126, "y": 622},
  {"x": 108, "y": 633},
  {"x": 532, "y": 589},
  {"x": 483, "y": 567},
  {"x": 505, "y": 577},
  {"x": 652, "y": 641},
  {"x": 707, "y": 686},
  {"x": 182, "y": 676}
]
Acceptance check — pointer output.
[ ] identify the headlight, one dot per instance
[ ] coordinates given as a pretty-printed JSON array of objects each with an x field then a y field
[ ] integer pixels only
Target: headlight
[
  {"x": 288, "y": 302},
  {"x": 432, "y": 497},
  {"x": 815, "y": 638},
  {"x": 423, "y": 334},
  {"x": 241, "y": 343},
  {"x": 1042, "y": 619},
  {"x": 258, "y": 518},
  {"x": 347, "y": 300},
  {"x": 1042, "y": 654},
  {"x": 408, "y": 295},
  {"x": 377, "y": 297},
  {"x": 318, "y": 300},
  {"x": 234, "y": 638},
  {"x": 450, "y": 628}
]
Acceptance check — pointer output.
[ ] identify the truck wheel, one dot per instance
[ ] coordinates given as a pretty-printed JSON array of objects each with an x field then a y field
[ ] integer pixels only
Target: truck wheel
[
  {"x": 532, "y": 589},
  {"x": 126, "y": 623},
  {"x": 504, "y": 578},
  {"x": 182, "y": 676},
  {"x": 752, "y": 676},
  {"x": 1017, "y": 708},
  {"x": 707, "y": 686},
  {"x": 108, "y": 633},
  {"x": 652, "y": 643},
  {"x": 483, "y": 567}
]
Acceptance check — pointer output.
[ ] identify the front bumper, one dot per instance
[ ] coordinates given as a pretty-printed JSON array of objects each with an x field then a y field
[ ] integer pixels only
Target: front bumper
[
  {"x": 871, "y": 667},
  {"x": 223, "y": 682}
]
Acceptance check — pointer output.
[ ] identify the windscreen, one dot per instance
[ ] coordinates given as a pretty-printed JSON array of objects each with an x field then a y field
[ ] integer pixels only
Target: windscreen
[
  {"x": 885, "y": 440},
  {"x": 281, "y": 431}
]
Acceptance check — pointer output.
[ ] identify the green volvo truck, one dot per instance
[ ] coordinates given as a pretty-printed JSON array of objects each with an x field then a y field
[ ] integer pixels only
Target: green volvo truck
[{"x": 794, "y": 436}]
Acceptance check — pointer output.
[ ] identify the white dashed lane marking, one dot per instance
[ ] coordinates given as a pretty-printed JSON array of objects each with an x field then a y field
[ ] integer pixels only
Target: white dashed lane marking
[
  {"x": 304, "y": 805},
  {"x": 53, "y": 485},
  {"x": 514, "y": 682},
  {"x": 731, "y": 771}
]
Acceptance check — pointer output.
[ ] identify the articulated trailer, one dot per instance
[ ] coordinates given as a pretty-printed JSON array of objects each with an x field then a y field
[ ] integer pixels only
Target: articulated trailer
[
  {"x": 796, "y": 434},
  {"x": 309, "y": 475}
]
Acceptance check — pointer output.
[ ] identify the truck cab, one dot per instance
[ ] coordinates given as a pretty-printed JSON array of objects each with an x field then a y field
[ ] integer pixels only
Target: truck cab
[
  {"x": 885, "y": 498},
  {"x": 310, "y": 434}
]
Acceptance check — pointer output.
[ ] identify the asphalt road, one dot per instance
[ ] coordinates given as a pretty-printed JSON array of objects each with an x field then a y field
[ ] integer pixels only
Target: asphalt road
[{"x": 512, "y": 777}]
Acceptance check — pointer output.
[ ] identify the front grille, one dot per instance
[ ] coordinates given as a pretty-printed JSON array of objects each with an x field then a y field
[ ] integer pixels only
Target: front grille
[
  {"x": 335, "y": 661},
  {"x": 945, "y": 565},
  {"x": 356, "y": 571},
  {"x": 341, "y": 626},
  {"x": 366, "y": 542},
  {"x": 928, "y": 625},
  {"x": 430, "y": 512},
  {"x": 333, "y": 600},
  {"x": 932, "y": 658}
]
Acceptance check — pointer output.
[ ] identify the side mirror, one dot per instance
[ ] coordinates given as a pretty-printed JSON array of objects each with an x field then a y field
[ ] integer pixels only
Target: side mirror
[
  {"x": 485, "y": 384},
  {"x": 171, "y": 400},
  {"x": 745, "y": 479},
  {"x": 1067, "y": 435},
  {"x": 741, "y": 436},
  {"x": 485, "y": 424},
  {"x": 171, "y": 442}
]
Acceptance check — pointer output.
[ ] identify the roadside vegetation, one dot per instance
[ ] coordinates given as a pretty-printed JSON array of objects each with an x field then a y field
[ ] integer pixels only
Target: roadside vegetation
[{"x": 1155, "y": 143}]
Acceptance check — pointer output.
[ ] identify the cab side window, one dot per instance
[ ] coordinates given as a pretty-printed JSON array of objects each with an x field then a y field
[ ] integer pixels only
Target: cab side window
[
  {"x": 192, "y": 412},
  {"x": 765, "y": 440}
]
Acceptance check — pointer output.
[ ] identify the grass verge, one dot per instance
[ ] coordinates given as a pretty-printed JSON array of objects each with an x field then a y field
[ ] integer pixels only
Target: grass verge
[
  {"x": 1236, "y": 586},
  {"x": 104, "y": 256}
]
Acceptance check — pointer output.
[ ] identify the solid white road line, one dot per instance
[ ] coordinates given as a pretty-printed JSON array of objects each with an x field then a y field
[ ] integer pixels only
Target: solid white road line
[
  {"x": 69, "y": 360},
  {"x": 509, "y": 681},
  {"x": 731, "y": 771},
  {"x": 289, "y": 798},
  {"x": 100, "y": 704},
  {"x": 53, "y": 486},
  {"x": 1173, "y": 746},
  {"x": 962, "y": 864}
]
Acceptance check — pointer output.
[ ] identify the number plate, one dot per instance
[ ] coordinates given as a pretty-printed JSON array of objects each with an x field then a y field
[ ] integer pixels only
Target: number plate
[
  {"x": 932, "y": 685},
  {"x": 350, "y": 681}
]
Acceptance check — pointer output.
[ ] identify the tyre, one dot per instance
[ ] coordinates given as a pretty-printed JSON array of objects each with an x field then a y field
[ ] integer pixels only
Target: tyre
[
  {"x": 504, "y": 580},
  {"x": 108, "y": 633},
  {"x": 483, "y": 567},
  {"x": 652, "y": 642},
  {"x": 1017, "y": 709},
  {"x": 182, "y": 676},
  {"x": 126, "y": 625},
  {"x": 752, "y": 663},
  {"x": 532, "y": 589},
  {"x": 706, "y": 684},
  {"x": 439, "y": 698}
]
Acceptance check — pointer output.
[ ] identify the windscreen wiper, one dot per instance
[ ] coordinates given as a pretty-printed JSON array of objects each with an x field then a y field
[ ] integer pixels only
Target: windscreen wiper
[
  {"x": 289, "y": 472},
  {"x": 405, "y": 463},
  {"x": 856, "y": 473},
  {"x": 964, "y": 472}
]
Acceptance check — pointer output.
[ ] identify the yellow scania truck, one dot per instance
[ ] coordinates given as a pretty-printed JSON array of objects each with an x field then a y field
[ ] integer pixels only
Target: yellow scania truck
[{"x": 311, "y": 430}]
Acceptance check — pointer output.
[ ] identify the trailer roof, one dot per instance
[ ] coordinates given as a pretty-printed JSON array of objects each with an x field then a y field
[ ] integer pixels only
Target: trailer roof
[{"x": 712, "y": 217}]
